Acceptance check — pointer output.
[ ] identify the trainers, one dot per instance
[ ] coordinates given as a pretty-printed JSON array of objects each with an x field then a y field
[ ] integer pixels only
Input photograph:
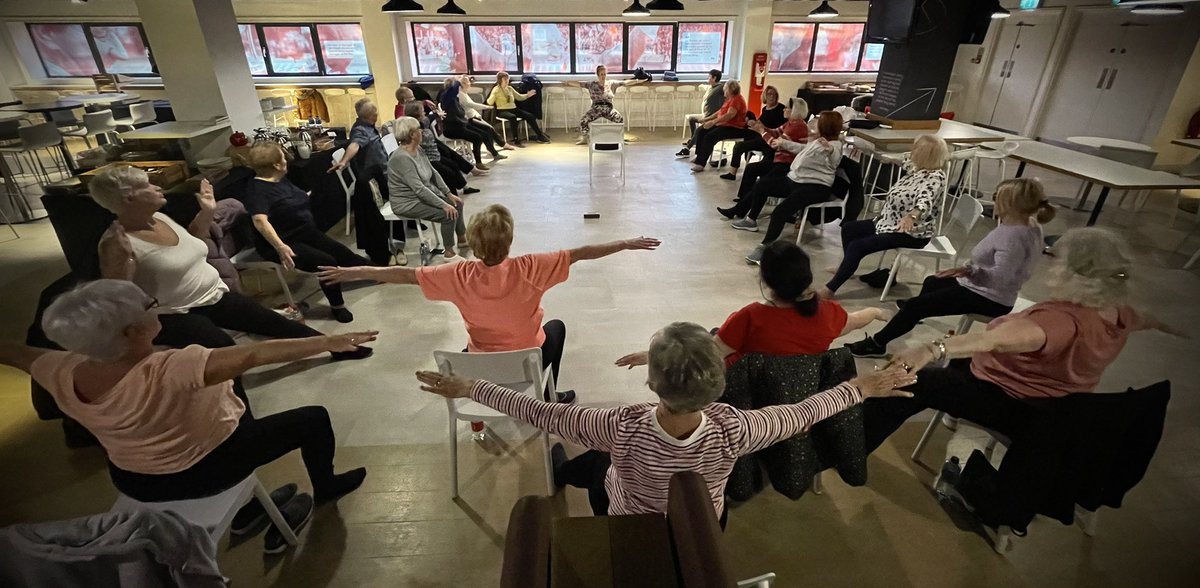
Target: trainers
[
  {"x": 728, "y": 176},
  {"x": 867, "y": 348},
  {"x": 297, "y": 513},
  {"x": 252, "y": 518},
  {"x": 746, "y": 224},
  {"x": 498, "y": 156},
  {"x": 566, "y": 396},
  {"x": 755, "y": 256},
  {"x": 697, "y": 168},
  {"x": 685, "y": 152},
  {"x": 543, "y": 139}
]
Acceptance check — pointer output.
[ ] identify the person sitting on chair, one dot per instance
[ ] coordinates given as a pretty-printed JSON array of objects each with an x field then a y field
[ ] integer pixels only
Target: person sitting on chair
[
  {"x": 417, "y": 191},
  {"x": 910, "y": 213},
  {"x": 504, "y": 97},
  {"x": 635, "y": 449},
  {"x": 472, "y": 110},
  {"x": 451, "y": 170},
  {"x": 988, "y": 284},
  {"x": 429, "y": 113},
  {"x": 794, "y": 130},
  {"x": 728, "y": 123},
  {"x": 713, "y": 99},
  {"x": 602, "y": 93},
  {"x": 771, "y": 117},
  {"x": 367, "y": 155},
  {"x": 456, "y": 125},
  {"x": 499, "y": 297}
]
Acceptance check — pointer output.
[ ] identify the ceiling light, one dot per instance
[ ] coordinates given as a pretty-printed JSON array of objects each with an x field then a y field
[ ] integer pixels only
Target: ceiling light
[
  {"x": 636, "y": 9},
  {"x": 823, "y": 11},
  {"x": 664, "y": 5},
  {"x": 1000, "y": 12},
  {"x": 451, "y": 8},
  {"x": 1158, "y": 9},
  {"x": 402, "y": 6}
]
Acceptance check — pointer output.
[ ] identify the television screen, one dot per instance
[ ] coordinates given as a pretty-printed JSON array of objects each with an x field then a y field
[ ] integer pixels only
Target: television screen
[
  {"x": 598, "y": 44},
  {"x": 890, "y": 21},
  {"x": 122, "y": 49},
  {"x": 493, "y": 47},
  {"x": 440, "y": 48},
  {"x": 701, "y": 46},
  {"x": 546, "y": 47}
]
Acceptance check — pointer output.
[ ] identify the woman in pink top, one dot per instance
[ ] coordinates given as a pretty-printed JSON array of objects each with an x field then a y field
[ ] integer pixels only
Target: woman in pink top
[
  {"x": 499, "y": 297},
  {"x": 1055, "y": 348},
  {"x": 169, "y": 420}
]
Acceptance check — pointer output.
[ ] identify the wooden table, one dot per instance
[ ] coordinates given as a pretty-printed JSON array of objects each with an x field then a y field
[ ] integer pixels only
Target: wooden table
[
  {"x": 950, "y": 131},
  {"x": 1095, "y": 170},
  {"x": 1098, "y": 142},
  {"x": 45, "y": 108}
]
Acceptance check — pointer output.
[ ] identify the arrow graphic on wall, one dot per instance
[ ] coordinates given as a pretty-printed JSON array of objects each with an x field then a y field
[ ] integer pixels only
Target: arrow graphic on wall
[{"x": 926, "y": 93}]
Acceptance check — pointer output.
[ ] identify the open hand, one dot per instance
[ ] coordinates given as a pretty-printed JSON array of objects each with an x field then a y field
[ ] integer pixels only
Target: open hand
[
  {"x": 205, "y": 197},
  {"x": 336, "y": 167},
  {"x": 912, "y": 359},
  {"x": 642, "y": 243},
  {"x": 954, "y": 272},
  {"x": 350, "y": 341},
  {"x": 456, "y": 200},
  {"x": 884, "y": 383},
  {"x": 451, "y": 212},
  {"x": 114, "y": 243},
  {"x": 906, "y": 224},
  {"x": 708, "y": 125},
  {"x": 338, "y": 275},
  {"x": 634, "y": 359},
  {"x": 286, "y": 256},
  {"x": 443, "y": 385}
]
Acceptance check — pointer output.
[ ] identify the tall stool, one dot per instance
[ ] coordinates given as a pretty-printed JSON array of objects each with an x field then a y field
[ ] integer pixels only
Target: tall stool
[
  {"x": 639, "y": 95},
  {"x": 556, "y": 99},
  {"x": 685, "y": 102},
  {"x": 664, "y": 96},
  {"x": 336, "y": 102}
]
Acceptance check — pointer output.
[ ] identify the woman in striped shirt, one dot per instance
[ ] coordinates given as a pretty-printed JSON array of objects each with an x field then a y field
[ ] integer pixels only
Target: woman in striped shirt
[{"x": 636, "y": 448}]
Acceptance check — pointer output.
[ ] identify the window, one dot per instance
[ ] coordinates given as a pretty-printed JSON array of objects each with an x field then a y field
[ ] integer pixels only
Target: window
[
  {"x": 254, "y": 52},
  {"x": 493, "y": 48},
  {"x": 651, "y": 46},
  {"x": 342, "y": 49},
  {"x": 440, "y": 48},
  {"x": 77, "y": 50},
  {"x": 599, "y": 44},
  {"x": 825, "y": 47},
  {"x": 546, "y": 48},
  {"x": 329, "y": 49},
  {"x": 290, "y": 50},
  {"x": 701, "y": 47}
]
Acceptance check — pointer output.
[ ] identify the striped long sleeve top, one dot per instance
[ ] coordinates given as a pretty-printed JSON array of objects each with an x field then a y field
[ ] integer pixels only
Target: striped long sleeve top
[{"x": 644, "y": 456}]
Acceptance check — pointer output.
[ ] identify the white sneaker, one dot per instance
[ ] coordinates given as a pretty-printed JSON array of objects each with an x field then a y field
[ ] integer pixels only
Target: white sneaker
[
  {"x": 745, "y": 224},
  {"x": 582, "y": 140}
]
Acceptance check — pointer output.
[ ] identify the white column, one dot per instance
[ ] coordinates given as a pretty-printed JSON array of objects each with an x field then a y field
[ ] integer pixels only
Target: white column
[{"x": 380, "y": 42}]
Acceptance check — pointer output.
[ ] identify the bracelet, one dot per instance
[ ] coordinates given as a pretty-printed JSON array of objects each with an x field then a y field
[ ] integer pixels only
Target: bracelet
[{"x": 939, "y": 348}]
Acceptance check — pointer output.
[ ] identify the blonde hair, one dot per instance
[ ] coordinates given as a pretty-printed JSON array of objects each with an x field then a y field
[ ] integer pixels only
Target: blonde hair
[
  {"x": 929, "y": 152},
  {"x": 798, "y": 109},
  {"x": 490, "y": 233},
  {"x": 501, "y": 75},
  {"x": 1024, "y": 196},
  {"x": 110, "y": 187},
  {"x": 686, "y": 369},
  {"x": 1091, "y": 268},
  {"x": 404, "y": 94},
  {"x": 403, "y": 128},
  {"x": 264, "y": 156},
  {"x": 734, "y": 87},
  {"x": 771, "y": 89}
]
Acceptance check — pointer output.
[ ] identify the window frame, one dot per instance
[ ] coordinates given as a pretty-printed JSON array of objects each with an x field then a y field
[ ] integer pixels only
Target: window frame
[
  {"x": 412, "y": 39},
  {"x": 521, "y": 47},
  {"x": 724, "y": 44},
  {"x": 812, "y": 48},
  {"x": 470, "y": 52},
  {"x": 318, "y": 51},
  {"x": 99, "y": 61},
  {"x": 674, "y": 45},
  {"x": 575, "y": 50}
]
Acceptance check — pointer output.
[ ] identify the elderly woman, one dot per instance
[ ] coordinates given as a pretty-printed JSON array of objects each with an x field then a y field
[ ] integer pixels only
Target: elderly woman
[
  {"x": 369, "y": 157},
  {"x": 456, "y": 125},
  {"x": 636, "y": 448},
  {"x": 602, "y": 93},
  {"x": 988, "y": 285},
  {"x": 429, "y": 113},
  {"x": 505, "y": 98},
  {"x": 809, "y": 181},
  {"x": 417, "y": 191},
  {"x": 499, "y": 297},
  {"x": 285, "y": 231},
  {"x": 451, "y": 173},
  {"x": 1058, "y": 347},
  {"x": 169, "y": 420},
  {"x": 473, "y": 108},
  {"x": 910, "y": 213},
  {"x": 169, "y": 263},
  {"x": 771, "y": 116},
  {"x": 776, "y": 168},
  {"x": 728, "y": 123}
]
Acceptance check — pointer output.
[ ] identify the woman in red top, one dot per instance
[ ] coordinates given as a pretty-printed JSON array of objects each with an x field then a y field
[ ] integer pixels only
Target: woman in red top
[
  {"x": 728, "y": 123},
  {"x": 795, "y": 130},
  {"x": 793, "y": 321}
]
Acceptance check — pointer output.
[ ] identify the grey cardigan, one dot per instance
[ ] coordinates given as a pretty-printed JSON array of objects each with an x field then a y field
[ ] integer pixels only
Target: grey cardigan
[{"x": 412, "y": 181}]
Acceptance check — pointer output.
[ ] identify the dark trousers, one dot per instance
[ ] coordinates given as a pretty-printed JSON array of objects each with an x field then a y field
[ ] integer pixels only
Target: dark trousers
[
  {"x": 453, "y": 178},
  {"x": 859, "y": 240},
  {"x": 770, "y": 185},
  {"x": 314, "y": 248},
  {"x": 744, "y": 148},
  {"x": 370, "y": 230},
  {"x": 254, "y": 443},
  {"x": 469, "y": 134},
  {"x": 707, "y": 139},
  {"x": 939, "y": 297},
  {"x": 552, "y": 347},
  {"x": 757, "y": 170},
  {"x": 517, "y": 114},
  {"x": 800, "y": 197},
  {"x": 481, "y": 126},
  {"x": 450, "y": 156}
]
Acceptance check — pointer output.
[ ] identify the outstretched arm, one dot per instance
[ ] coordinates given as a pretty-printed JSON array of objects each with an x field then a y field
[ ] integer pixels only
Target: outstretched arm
[
  {"x": 389, "y": 275},
  {"x": 572, "y": 84},
  {"x": 861, "y": 318},
  {"x": 606, "y": 249},
  {"x": 1018, "y": 335},
  {"x": 19, "y": 356},
  {"x": 227, "y": 363}
]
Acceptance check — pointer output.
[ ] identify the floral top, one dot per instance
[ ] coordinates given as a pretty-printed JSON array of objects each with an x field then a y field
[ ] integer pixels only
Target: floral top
[
  {"x": 919, "y": 190},
  {"x": 601, "y": 93}
]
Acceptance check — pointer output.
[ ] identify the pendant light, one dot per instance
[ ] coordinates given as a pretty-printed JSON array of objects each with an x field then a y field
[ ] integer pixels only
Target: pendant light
[
  {"x": 402, "y": 6},
  {"x": 1158, "y": 9},
  {"x": 664, "y": 5},
  {"x": 636, "y": 9},
  {"x": 451, "y": 8},
  {"x": 823, "y": 11}
]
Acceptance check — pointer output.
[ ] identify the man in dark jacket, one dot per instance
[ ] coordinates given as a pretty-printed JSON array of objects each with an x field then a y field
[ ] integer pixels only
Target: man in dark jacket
[{"x": 712, "y": 103}]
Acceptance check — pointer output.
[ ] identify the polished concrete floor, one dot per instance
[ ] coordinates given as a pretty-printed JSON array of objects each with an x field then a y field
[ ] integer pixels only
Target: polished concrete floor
[{"x": 402, "y": 529}]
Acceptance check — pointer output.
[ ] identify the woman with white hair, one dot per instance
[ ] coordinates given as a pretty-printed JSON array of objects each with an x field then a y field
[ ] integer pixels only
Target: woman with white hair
[
  {"x": 169, "y": 420},
  {"x": 909, "y": 217},
  {"x": 415, "y": 190},
  {"x": 472, "y": 109},
  {"x": 684, "y": 431},
  {"x": 1062, "y": 346},
  {"x": 728, "y": 123},
  {"x": 169, "y": 263},
  {"x": 366, "y": 152}
]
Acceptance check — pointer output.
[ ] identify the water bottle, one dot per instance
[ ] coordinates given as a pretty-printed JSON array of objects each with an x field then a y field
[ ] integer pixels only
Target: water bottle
[
  {"x": 426, "y": 254},
  {"x": 948, "y": 479},
  {"x": 478, "y": 431}
]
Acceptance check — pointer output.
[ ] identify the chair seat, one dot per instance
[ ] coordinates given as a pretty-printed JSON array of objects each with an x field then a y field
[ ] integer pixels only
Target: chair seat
[
  {"x": 213, "y": 513},
  {"x": 938, "y": 247}
]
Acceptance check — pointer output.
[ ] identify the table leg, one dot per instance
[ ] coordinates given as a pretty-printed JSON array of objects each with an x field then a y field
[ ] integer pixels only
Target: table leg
[
  {"x": 62, "y": 148},
  {"x": 1099, "y": 205},
  {"x": 1020, "y": 169},
  {"x": 1087, "y": 191}
]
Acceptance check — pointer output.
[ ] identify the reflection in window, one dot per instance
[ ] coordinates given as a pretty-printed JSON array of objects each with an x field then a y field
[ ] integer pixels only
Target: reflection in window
[
  {"x": 546, "y": 48},
  {"x": 122, "y": 49},
  {"x": 791, "y": 46},
  {"x": 598, "y": 44},
  {"x": 872, "y": 55},
  {"x": 254, "y": 52},
  {"x": 701, "y": 46},
  {"x": 440, "y": 48},
  {"x": 493, "y": 48},
  {"x": 651, "y": 47},
  {"x": 342, "y": 49},
  {"x": 63, "y": 49},
  {"x": 291, "y": 50},
  {"x": 837, "y": 47}
]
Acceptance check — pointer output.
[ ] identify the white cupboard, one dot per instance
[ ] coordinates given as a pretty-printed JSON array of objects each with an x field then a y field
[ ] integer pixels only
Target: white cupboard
[{"x": 1018, "y": 62}]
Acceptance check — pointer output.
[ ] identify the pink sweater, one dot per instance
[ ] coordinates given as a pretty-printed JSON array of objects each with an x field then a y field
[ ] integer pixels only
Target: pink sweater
[{"x": 644, "y": 456}]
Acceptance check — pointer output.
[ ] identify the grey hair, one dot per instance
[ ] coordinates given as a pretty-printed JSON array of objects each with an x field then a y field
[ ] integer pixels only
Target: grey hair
[
  {"x": 403, "y": 129},
  {"x": 112, "y": 186},
  {"x": 799, "y": 109},
  {"x": 686, "y": 368},
  {"x": 735, "y": 87},
  {"x": 414, "y": 109},
  {"x": 92, "y": 318},
  {"x": 1091, "y": 268},
  {"x": 929, "y": 152},
  {"x": 364, "y": 106}
]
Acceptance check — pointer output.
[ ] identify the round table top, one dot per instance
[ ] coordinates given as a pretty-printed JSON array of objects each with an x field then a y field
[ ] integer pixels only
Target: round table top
[
  {"x": 43, "y": 106},
  {"x": 12, "y": 115},
  {"x": 1098, "y": 142}
]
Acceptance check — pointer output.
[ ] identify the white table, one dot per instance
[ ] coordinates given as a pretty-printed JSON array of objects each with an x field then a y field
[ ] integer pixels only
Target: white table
[
  {"x": 1191, "y": 169},
  {"x": 1098, "y": 142},
  {"x": 7, "y": 116},
  {"x": 1096, "y": 170},
  {"x": 950, "y": 131},
  {"x": 175, "y": 129},
  {"x": 107, "y": 98}
]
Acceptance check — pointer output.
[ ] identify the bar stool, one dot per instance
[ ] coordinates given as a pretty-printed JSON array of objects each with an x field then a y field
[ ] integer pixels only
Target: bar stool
[
  {"x": 639, "y": 96},
  {"x": 353, "y": 95},
  {"x": 664, "y": 96},
  {"x": 140, "y": 113},
  {"x": 36, "y": 138},
  {"x": 998, "y": 154},
  {"x": 96, "y": 124},
  {"x": 556, "y": 99},
  {"x": 336, "y": 102},
  {"x": 685, "y": 100},
  {"x": 621, "y": 96}
]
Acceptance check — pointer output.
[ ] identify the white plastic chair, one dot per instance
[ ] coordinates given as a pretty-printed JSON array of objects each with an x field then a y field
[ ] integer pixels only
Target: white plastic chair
[
  {"x": 517, "y": 370},
  {"x": 390, "y": 143},
  {"x": 248, "y": 258},
  {"x": 822, "y": 206},
  {"x": 685, "y": 101},
  {"x": 763, "y": 581},
  {"x": 348, "y": 180},
  {"x": 215, "y": 513},
  {"x": 965, "y": 214},
  {"x": 139, "y": 114},
  {"x": 1000, "y": 154},
  {"x": 385, "y": 210},
  {"x": 606, "y": 137},
  {"x": 664, "y": 97},
  {"x": 96, "y": 124},
  {"x": 35, "y": 138}
]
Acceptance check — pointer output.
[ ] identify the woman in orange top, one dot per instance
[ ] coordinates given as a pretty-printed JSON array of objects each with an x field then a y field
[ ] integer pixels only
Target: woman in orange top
[
  {"x": 728, "y": 123},
  {"x": 499, "y": 297}
]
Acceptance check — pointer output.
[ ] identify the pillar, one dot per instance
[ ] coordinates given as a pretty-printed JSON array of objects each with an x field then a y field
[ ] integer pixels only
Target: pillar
[{"x": 379, "y": 39}]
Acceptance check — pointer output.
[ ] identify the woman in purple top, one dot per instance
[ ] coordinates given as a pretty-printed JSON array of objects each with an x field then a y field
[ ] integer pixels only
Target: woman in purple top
[{"x": 1000, "y": 264}]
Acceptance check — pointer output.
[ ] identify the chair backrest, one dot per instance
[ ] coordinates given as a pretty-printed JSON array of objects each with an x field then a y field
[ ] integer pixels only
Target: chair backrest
[
  {"x": 41, "y": 135},
  {"x": 1138, "y": 157},
  {"x": 501, "y": 367},
  {"x": 99, "y": 122},
  {"x": 700, "y": 552},
  {"x": 346, "y": 175},
  {"x": 142, "y": 112},
  {"x": 966, "y": 213},
  {"x": 606, "y": 133},
  {"x": 1008, "y": 147},
  {"x": 64, "y": 118},
  {"x": 638, "y": 89},
  {"x": 664, "y": 89}
]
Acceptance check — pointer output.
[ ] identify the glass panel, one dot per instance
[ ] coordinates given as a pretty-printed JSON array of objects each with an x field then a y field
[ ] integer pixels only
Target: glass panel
[
  {"x": 64, "y": 50},
  {"x": 254, "y": 53},
  {"x": 122, "y": 49},
  {"x": 791, "y": 45},
  {"x": 838, "y": 45},
  {"x": 598, "y": 44},
  {"x": 440, "y": 48},
  {"x": 546, "y": 48},
  {"x": 651, "y": 46},
  {"x": 342, "y": 49},
  {"x": 493, "y": 48},
  {"x": 872, "y": 55},
  {"x": 701, "y": 46},
  {"x": 291, "y": 50}
]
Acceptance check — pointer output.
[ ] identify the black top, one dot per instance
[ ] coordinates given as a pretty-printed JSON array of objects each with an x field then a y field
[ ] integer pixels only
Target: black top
[
  {"x": 773, "y": 118},
  {"x": 286, "y": 206}
]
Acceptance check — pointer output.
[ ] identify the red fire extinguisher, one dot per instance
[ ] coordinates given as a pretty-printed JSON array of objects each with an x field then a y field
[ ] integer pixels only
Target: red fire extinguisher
[{"x": 758, "y": 81}]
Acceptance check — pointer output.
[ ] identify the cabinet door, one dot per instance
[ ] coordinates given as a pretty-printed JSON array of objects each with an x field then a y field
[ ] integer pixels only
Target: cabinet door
[
  {"x": 1080, "y": 81},
  {"x": 1024, "y": 75},
  {"x": 1137, "y": 80},
  {"x": 993, "y": 83}
]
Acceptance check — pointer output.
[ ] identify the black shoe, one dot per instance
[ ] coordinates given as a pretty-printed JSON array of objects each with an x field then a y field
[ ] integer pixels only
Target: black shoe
[
  {"x": 252, "y": 518},
  {"x": 343, "y": 315},
  {"x": 543, "y": 139},
  {"x": 867, "y": 348},
  {"x": 875, "y": 279},
  {"x": 718, "y": 163},
  {"x": 566, "y": 396},
  {"x": 726, "y": 212},
  {"x": 297, "y": 513},
  {"x": 342, "y": 485},
  {"x": 685, "y": 152},
  {"x": 470, "y": 190},
  {"x": 900, "y": 303},
  {"x": 359, "y": 352},
  {"x": 728, "y": 176},
  {"x": 558, "y": 456}
]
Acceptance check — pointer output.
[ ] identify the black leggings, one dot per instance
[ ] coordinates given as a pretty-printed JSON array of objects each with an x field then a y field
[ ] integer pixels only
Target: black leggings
[
  {"x": 453, "y": 178},
  {"x": 707, "y": 139},
  {"x": 939, "y": 297},
  {"x": 455, "y": 130},
  {"x": 254, "y": 443},
  {"x": 449, "y": 155},
  {"x": 370, "y": 230},
  {"x": 801, "y": 197},
  {"x": 771, "y": 185},
  {"x": 756, "y": 170},
  {"x": 743, "y": 149},
  {"x": 481, "y": 126},
  {"x": 552, "y": 347},
  {"x": 516, "y": 114},
  {"x": 859, "y": 240},
  {"x": 314, "y": 248}
]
